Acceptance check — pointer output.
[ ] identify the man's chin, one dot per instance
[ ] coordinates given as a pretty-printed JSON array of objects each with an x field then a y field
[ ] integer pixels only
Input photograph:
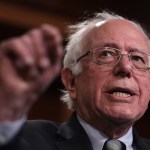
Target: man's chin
[{"x": 121, "y": 119}]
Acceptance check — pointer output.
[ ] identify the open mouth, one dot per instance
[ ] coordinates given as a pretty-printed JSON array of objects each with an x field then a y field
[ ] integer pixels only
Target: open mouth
[{"x": 120, "y": 92}]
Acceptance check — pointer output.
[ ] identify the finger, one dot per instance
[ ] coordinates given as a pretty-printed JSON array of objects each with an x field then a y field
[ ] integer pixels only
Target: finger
[
  {"x": 17, "y": 51},
  {"x": 51, "y": 32},
  {"x": 26, "y": 58},
  {"x": 9, "y": 79},
  {"x": 46, "y": 79},
  {"x": 53, "y": 42},
  {"x": 15, "y": 93},
  {"x": 30, "y": 69},
  {"x": 40, "y": 50}
]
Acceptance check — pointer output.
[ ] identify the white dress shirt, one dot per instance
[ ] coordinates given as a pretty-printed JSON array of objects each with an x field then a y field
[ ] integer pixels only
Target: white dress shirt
[
  {"x": 9, "y": 129},
  {"x": 98, "y": 139}
]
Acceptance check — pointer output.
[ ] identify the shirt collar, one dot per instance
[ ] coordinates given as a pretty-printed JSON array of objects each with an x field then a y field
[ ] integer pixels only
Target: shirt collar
[{"x": 98, "y": 139}]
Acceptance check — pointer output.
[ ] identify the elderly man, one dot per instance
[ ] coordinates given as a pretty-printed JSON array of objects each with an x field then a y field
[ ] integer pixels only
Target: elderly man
[{"x": 106, "y": 75}]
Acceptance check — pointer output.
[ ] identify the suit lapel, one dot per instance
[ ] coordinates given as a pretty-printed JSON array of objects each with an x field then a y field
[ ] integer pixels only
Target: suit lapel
[
  {"x": 71, "y": 136},
  {"x": 140, "y": 143}
]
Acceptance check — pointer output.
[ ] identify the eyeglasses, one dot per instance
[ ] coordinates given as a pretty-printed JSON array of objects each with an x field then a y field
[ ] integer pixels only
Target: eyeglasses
[{"x": 111, "y": 56}]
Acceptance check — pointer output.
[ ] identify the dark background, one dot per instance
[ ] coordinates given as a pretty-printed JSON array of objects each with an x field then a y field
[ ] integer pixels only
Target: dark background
[{"x": 18, "y": 16}]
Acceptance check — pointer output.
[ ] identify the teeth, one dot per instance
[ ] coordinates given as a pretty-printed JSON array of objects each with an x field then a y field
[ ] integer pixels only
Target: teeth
[{"x": 121, "y": 94}]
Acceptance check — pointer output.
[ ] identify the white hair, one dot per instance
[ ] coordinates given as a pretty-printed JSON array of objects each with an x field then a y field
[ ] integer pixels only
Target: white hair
[{"x": 76, "y": 44}]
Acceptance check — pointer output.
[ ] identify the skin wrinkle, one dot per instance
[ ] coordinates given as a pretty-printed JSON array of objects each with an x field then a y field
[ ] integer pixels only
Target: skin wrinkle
[{"x": 101, "y": 109}]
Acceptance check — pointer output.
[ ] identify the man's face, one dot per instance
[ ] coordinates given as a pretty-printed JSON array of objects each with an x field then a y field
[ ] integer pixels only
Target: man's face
[{"x": 122, "y": 93}]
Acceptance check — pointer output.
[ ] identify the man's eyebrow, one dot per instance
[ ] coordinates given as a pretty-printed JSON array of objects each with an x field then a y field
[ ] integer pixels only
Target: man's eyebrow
[
  {"x": 113, "y": 45},
  {"x": 130, "y": 49}
]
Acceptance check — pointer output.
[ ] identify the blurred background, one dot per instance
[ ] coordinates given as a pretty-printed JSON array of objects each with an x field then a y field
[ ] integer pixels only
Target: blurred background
[{"x": 18, "y": 16}]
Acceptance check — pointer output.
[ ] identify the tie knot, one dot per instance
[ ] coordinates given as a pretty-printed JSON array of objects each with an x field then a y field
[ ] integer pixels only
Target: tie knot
[{"x": 114, "y": 145}]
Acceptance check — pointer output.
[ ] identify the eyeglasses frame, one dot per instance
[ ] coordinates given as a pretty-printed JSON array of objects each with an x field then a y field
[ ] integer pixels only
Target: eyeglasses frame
[{"x": 121, "y": 54}]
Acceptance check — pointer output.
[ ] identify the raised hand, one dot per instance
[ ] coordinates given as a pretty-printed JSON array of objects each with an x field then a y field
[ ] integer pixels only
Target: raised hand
[{"x": 28, "y": 64}]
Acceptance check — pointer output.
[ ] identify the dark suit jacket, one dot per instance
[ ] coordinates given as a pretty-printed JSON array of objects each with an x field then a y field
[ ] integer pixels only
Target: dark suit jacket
[{"x": 45, "y": 135}]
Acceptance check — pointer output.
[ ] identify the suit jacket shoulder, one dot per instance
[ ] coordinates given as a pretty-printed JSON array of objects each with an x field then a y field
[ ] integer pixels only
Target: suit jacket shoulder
[
  {"x": 38, "y": 134},
  {"x": 46, "y": 135}
]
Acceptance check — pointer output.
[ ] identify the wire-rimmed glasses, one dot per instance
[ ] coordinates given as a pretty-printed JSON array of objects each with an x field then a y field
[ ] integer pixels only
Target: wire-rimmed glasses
[{"x": 108, "y": 56}]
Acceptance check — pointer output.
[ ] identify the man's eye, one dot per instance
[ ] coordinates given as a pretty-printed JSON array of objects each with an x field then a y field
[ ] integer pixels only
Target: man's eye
[
  {"x": 106, "y": 54},
  {"x": 138, "y": 59}
]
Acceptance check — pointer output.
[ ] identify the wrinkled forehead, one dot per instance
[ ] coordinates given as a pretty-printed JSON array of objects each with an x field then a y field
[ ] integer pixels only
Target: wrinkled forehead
[{"x": 117, "y": 31}]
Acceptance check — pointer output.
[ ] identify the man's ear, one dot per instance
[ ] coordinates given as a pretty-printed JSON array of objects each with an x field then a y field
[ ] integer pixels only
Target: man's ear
[{"x": 68, "y": 80}]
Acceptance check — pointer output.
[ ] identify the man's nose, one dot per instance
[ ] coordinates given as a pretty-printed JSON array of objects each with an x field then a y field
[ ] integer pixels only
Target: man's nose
[{"x": 124, "y": 67}]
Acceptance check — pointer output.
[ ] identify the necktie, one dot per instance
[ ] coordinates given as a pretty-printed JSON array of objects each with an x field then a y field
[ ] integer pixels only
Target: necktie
[{"x": 114, "y": 145}]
